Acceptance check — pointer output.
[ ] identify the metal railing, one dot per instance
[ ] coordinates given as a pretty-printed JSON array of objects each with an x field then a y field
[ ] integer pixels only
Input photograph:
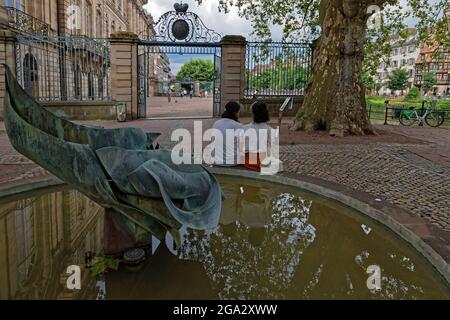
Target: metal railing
[
  {"x": 390, "y": 114},
  {"x": 26, "y": 23},
  {"x": 64, "y": 68},
  {"x": 277, "y": 69}
]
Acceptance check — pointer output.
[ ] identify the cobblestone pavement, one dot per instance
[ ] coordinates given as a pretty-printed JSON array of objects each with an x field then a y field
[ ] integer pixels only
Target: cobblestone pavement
[
  {"x": 409, "y": 175},
  {"x": 388, "y": 172}
]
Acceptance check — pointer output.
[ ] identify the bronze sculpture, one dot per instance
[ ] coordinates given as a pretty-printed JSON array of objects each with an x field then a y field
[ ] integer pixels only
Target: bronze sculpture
[{"x": 114, "y": 167}]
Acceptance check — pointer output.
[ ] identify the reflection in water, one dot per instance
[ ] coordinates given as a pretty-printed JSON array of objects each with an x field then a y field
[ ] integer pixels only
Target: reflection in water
[
  {"x": 273, "y": 243},
  {"x": 25, "y": 238},
  {"x": 393, "y": 288},
  {"x": 39, "y": 237},
  {"x": 274, "y": 249}
]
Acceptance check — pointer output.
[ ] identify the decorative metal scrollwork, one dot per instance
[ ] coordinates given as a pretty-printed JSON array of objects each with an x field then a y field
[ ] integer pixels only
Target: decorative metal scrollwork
[
  {"x": 183, "y": 26},
  {"x": 26, "y": 23}
]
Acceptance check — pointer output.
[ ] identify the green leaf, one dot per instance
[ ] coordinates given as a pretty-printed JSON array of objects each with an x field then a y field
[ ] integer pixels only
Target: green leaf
[{"x": 101, "y": 265}]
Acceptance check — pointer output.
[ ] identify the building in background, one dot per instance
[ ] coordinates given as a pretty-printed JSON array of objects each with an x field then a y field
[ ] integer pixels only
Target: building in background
[
  {"x": 435, "y": 61},
  {"x": 162, "y": 74},
  {"x": 404, "y": 55}
]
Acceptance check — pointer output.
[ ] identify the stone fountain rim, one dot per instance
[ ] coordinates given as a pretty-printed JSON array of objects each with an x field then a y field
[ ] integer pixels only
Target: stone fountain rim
[{"x": 315, "y": 186}]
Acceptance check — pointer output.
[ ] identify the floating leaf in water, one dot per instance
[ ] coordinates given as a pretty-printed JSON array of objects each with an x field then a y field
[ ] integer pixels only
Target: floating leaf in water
[{"x": 101, "y": 265}]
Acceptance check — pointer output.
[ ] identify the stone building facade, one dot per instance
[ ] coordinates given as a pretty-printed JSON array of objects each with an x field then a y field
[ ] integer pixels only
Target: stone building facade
[
  {"x": 91, "y": 18},
  {"x": 100, "y": 18},
  {"x": 434, "y": 60},
  {"x": 404, "y": 55},
  {"x": 162, "y": 74},
  {"x": 33, "y": 35}
]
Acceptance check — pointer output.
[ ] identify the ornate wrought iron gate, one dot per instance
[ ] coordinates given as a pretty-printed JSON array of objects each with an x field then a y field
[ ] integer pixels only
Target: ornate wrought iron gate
[
  {"x": 143, "y": 84},
  {"x": 216, "y": 89},
  {"x": 177, "y": 32}
]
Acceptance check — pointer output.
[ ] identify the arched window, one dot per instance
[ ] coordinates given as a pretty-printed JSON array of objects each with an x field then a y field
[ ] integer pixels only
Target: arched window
[
  {"x": 107, "y": 29},
  {"x": 88, "y": 21},
  {"x": 99, "y": 24},
  {"x": 14, "y": 4},
  {"x": 31, "y": 75},
  {"x": 75, "y": 17}
]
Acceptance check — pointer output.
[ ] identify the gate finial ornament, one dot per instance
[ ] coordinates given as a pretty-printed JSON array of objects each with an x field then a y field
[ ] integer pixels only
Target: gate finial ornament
[
  {"x": 181, "y": 7},
  {"x": 183, "y": 26}
]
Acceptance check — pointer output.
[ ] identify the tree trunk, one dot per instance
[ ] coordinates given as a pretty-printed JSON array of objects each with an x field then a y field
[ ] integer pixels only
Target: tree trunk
[{"x": 335, "y": 96}]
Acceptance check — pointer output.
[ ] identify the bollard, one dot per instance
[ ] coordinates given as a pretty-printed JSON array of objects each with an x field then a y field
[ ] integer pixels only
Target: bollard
[{"x": 385, "y": 115}]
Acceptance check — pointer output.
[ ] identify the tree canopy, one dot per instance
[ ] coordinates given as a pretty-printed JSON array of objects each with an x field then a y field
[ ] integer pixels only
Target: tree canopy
[
  {"x": 350, "y": 37},
  {"x": 282, "y": 76},
  {"x": 429, "y": 81},
  {"x": 197, "y": 69},
  {"x": 413, "y": 94}
]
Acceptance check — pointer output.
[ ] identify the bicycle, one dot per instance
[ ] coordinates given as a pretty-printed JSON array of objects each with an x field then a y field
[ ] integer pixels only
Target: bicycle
[{"x": 431, "y": 116}]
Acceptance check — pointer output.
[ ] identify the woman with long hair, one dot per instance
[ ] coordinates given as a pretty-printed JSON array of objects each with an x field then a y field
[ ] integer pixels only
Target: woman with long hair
[
  {"x": 257, "y": 137},
  {"x": 228, "y": 152}
]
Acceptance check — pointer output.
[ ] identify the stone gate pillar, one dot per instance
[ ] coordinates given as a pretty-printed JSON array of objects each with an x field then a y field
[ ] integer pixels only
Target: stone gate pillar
[
  {"x": 233, "y": 69},
  {"x": 124, "y": 73},
  {"x": 197, "y": 88}
]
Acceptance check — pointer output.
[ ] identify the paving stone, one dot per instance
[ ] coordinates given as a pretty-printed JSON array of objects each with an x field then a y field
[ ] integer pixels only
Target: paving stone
[{"x": 388, "y": 171}]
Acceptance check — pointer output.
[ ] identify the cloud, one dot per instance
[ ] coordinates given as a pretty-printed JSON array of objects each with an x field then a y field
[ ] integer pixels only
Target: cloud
[{"x": 175, "y": 67}]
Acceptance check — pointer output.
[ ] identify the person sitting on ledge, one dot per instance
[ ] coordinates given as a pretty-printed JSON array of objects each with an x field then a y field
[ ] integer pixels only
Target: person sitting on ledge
[
  {"x": 228, "y": 153},
  {"x": 256, "y": 148}
]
